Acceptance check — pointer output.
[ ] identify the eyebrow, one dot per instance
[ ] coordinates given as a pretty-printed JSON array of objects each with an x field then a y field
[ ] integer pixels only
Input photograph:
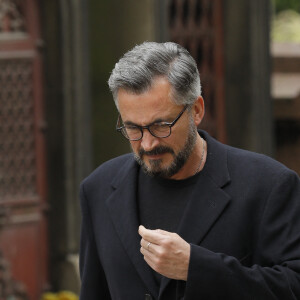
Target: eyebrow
[{"x": 155, "y": 121}]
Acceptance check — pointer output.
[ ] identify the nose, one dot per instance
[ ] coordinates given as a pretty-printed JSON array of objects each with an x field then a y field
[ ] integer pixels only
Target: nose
[{"x": 149, "y": 141}]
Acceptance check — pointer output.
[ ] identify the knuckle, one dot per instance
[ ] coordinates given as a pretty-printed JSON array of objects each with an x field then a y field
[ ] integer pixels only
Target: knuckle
[
  {"x": 163, "y": 243},
  {"x": 167, "y": 242},
  {"x": 162, "y": 253}
]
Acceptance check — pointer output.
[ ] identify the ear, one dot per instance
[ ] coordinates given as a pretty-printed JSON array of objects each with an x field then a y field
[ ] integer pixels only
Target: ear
[{"x": 198, "y": 110}]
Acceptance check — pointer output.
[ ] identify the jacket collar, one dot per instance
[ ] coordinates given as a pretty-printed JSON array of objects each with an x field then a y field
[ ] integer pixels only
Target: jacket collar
[
  {"x": 199, "y": 216},
  {"x": 216, "y": 162}
]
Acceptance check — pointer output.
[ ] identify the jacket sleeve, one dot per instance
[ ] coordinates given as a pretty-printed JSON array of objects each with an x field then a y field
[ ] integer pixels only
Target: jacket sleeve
[
  {"x": 93, "y": 281},
  {"x": 275, "y": 273}
]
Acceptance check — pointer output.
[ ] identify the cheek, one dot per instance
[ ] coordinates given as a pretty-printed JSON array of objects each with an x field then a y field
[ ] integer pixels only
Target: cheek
[
  {"x": 135, "y": 146},
  {"x": 174, "y": 141}
]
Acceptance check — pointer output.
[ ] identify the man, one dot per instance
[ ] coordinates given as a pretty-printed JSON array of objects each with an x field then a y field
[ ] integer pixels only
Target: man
[{"x": 184, "y": 216}]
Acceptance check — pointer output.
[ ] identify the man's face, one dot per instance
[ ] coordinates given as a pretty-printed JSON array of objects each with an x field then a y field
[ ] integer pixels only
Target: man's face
[{"x": 158, "y": 156}]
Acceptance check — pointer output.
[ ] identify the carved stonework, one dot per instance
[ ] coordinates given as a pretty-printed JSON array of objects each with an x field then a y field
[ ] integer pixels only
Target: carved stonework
[
  {"x": 17, "y": 139},
  {"x": 9, "y": 288},
  {"x": 11, "y": 17}
]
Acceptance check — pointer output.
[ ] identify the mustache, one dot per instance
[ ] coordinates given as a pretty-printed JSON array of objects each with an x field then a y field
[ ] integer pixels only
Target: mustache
[{"x": 155, "y": 151}]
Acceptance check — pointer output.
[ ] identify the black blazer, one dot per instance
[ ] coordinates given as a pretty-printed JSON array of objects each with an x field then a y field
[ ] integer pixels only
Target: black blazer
[{"x": 243, "y": 225}]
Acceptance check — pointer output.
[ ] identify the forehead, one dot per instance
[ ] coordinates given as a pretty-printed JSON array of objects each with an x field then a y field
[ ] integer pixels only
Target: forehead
[{"x": 146, "y": 107}]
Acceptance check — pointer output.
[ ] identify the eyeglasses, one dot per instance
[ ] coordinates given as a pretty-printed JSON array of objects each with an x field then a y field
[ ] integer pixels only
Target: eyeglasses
[{"x": 136, "y": 132}]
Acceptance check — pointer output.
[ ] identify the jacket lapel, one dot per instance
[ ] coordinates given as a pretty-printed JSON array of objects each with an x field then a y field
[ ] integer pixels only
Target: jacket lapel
[
  {"x": 209, "y": 201},
  {"x": 122, "y": 206},
  {"x": 201, "y": 213}
]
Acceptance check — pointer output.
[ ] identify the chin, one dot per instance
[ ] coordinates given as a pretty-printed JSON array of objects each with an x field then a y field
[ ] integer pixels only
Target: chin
[{"x": 159, "y": 170}]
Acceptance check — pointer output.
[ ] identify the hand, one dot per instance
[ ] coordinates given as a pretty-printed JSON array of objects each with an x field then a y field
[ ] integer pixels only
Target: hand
[{"x": 167, "y": 253}]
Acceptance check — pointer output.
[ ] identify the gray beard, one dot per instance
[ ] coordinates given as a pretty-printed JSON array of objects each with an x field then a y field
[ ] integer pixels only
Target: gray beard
[{"x": 179, "y": 161}]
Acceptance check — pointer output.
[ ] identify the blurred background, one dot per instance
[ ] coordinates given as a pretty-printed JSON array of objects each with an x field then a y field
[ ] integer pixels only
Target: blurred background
[{"x": 57, "y": 117}]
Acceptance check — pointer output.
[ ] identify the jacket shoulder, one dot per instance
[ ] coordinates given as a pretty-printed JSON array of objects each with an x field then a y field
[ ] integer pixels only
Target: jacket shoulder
[
  {"x": 109, "y": 169},
  {"x": 254, "y": 163}
]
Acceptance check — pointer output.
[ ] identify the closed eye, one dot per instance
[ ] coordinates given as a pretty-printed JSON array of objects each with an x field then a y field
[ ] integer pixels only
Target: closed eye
[
  {"x": 160, "y": 124},
  {"x": 131, "y": 127}
]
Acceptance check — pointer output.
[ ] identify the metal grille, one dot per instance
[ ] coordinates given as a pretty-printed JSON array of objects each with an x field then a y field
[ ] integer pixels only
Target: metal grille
[
  {"x": 17, "y": 147},
  {"x": 196, "y": 25}
]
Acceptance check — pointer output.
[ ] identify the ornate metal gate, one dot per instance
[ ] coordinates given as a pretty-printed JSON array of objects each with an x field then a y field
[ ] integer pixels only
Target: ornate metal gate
[
  {"x": 197, "y": 25},
  {"x": 23, "y": 235}
]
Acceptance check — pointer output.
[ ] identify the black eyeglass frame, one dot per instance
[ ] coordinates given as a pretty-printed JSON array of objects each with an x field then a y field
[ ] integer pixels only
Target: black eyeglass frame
[{"x": 141, "y": 128}]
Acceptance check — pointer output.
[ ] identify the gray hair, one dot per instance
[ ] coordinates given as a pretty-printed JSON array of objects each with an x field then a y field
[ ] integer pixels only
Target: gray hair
[{"x": 137, "y": 69}]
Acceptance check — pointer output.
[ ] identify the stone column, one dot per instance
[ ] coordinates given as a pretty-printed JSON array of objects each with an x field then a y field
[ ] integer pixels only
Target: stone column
[
  {"x": 247, "y": 78},
  {"x": 66, "y": 54}
]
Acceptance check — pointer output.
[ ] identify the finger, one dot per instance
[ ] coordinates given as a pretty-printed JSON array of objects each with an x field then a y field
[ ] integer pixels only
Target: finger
[
  {"x": 163, "y": 232},
  {"x": 148, "y": 234},
  {"x": 150, "y": 262},
  {"x": 148, "y": 255},
  {"x": 148, "y": 245},
  {"x": 150, "y": 259},
  {"x": 153, "y": 236},
  {"x": 143, "y": 230}
]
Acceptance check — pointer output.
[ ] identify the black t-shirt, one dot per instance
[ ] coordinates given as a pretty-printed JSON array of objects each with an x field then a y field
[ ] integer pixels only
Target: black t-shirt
[{"x": 161, "y": 202}]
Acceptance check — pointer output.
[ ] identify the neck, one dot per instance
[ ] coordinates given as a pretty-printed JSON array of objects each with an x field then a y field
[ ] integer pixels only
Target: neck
[{"x": 194, "y": 164}]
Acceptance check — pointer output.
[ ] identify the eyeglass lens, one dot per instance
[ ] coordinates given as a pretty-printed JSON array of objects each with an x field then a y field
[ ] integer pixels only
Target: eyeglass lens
[{"x": 135, "y": 133}]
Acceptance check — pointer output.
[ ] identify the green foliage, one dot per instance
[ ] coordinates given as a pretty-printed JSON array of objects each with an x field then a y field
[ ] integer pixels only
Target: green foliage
[
  {"x": 285, "y": 27},
  {"x": 281, "y": 5}
]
